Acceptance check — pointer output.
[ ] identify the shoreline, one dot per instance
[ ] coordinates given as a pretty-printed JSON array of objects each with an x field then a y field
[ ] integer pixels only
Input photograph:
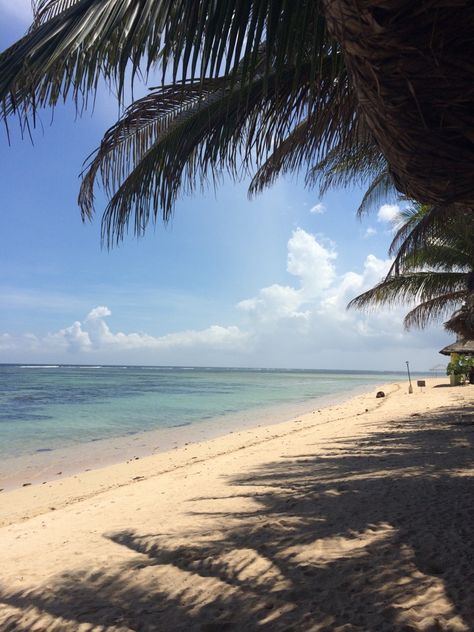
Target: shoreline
[
  {"x": 67, "y": 489},
  {"x": 355, "y": 517},
  {"x": 45, "y": 466}
]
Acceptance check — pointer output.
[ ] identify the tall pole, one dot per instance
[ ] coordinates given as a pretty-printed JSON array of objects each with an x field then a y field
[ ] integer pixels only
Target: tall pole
[{"x": 410, "y": 388}]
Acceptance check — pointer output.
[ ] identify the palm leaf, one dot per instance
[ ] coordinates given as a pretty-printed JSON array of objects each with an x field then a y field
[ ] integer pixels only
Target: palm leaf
[
  {"x": 437, "y": 256},
  {"x": 178, "y": 136},
  {"x": 220, "y": 131},
  {"x": 348, "y": 163},
  {"x": 331, "y": 119},
  {"x": 381, "y": 189},
  {"x": 130, "y": 138},
  {"x": 73, "y": 44},
  {"x": 411, "y": 286},
  {"x": 433, "y": 310},
  {"x": 44, "y": 10},
  {"x": 429, "y": 226}
]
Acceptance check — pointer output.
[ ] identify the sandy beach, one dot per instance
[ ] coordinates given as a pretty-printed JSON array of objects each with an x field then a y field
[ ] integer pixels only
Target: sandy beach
[{"x": 355, "y": 517}]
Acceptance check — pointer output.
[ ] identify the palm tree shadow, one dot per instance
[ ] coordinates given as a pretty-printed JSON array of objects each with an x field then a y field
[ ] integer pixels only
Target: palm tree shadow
[{"x": 374, "y": 535}]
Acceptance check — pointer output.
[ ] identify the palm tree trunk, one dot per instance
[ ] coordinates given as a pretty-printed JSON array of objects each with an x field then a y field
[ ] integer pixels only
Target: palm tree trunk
[{"x": 412, "y": 66}]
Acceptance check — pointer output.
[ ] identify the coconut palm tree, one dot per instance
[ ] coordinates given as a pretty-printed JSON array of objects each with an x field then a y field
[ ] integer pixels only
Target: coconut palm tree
[{"x": 438, "y": 275}]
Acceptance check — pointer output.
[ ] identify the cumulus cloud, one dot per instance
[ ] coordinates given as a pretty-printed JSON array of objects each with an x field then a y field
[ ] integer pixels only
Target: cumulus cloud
[
  {"x": 313, "y": 264},
  {"x": 309, "y": 320},
  {"x": 98, "y": 312},
  {"x": 313, "y": 313},
  {"x": 93, "y": 335},
  {"x": 388, "y": 213},
  {"x": 370, "y": 232},
  {"x": 318, "y": 209},
  {"x": 301, "y": 323}
]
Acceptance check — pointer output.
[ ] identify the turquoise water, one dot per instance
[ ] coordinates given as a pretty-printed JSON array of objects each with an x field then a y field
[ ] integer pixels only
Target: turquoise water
[{"x": 45, "y": 408}]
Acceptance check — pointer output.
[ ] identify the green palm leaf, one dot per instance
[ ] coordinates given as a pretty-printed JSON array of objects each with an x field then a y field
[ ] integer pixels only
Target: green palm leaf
[
  {"x": 411, "y": 286},
  {"x": 437, "y": 272},
  {"x": 180, "y": 136}
]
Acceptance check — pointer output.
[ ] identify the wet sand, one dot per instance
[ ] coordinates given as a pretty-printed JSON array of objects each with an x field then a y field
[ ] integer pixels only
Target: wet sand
[
  {"x": 356, "y": 517},
  {"x": 48, "y": 465}
]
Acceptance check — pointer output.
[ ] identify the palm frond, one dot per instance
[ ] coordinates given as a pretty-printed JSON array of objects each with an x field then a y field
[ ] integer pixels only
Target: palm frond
[
  {"x": 433, "y": 310},
  {"x": 346, "y": 164},
  {"x": 294, "y": 149},
  {"x": 411, "y": 286},
  {"x": 410, "y": 217},
  {"x": 437, "y": 256},
  {"x": 175, "y": 138},
  {"x": 331, "y": 119},
  {"x": 44, "y": 10},
  {"x": 429, "y": 225},
  {"x": 381, "y": 190},
  {"x": 73, "y": 44},
  {"x": 220, "y": 131},
  {"x": 125, "y": 143}
]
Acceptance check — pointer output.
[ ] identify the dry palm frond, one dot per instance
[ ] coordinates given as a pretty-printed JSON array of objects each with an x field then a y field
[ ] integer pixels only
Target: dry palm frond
[
  {"x": 411, "y": 65},
  {"x": 461, "y": 322}
]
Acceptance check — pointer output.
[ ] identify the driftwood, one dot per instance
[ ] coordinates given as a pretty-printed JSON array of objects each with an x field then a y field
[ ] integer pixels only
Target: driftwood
[{"x": 412, "y": 67}]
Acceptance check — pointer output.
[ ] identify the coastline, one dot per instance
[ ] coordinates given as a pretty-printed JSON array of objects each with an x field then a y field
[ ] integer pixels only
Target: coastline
[
  {"x": 56, "y": 464},
  {"x": 359, "y": 515}
]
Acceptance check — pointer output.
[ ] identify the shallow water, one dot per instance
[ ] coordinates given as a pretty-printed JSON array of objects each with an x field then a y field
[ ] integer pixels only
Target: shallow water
[{"x": 44, "y": 408}]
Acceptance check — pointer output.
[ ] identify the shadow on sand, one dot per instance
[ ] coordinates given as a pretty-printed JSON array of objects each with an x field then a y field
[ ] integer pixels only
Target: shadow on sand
[{"x": 376, "y": 535}]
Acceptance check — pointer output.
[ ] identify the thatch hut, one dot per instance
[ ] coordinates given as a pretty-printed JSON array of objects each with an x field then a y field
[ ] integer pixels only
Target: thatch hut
[
  {"x": 462, "y": 369},
  {"x": 461, "y": 347}
]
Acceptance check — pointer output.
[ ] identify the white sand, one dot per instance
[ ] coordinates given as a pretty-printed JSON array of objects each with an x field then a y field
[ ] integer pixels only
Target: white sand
[{"x": 358, "y": 517}]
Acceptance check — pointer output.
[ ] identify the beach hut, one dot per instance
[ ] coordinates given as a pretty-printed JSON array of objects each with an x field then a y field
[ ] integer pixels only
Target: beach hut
[
  {"x": 456, "y": 349},
  {"x": 460, "y": 347}
]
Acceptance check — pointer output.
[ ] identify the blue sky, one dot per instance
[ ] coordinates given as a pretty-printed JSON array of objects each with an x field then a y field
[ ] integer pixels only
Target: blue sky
[{"x": 228, "y": 282}]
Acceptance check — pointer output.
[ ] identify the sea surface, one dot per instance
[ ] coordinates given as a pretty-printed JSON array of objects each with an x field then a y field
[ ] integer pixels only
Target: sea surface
[{"x": 45, "y": 408}]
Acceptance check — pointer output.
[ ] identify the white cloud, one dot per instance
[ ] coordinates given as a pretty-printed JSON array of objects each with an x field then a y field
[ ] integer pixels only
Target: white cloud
[
  {"x": 20, "y": 9},
  {"x": 93, "y": 335},
  {"x": 98, "y": 312},
  {"x": 388, "y": 213},
  {"x": 370, "y": 232},
  {"x": 310, "y": 261},
  {"x": 304, "y": 323},
  {"x": 318, "y": 209}
]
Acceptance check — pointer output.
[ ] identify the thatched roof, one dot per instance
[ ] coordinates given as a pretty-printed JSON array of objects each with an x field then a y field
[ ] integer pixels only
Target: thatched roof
[
  {"x": 412, "y": 67},
  {"x": 461, "y": 322},
  {"x": 463, "y": 347}
]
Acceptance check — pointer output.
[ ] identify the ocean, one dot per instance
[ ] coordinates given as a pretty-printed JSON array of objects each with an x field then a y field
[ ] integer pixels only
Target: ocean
[{"x": 45, "y": 408}]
